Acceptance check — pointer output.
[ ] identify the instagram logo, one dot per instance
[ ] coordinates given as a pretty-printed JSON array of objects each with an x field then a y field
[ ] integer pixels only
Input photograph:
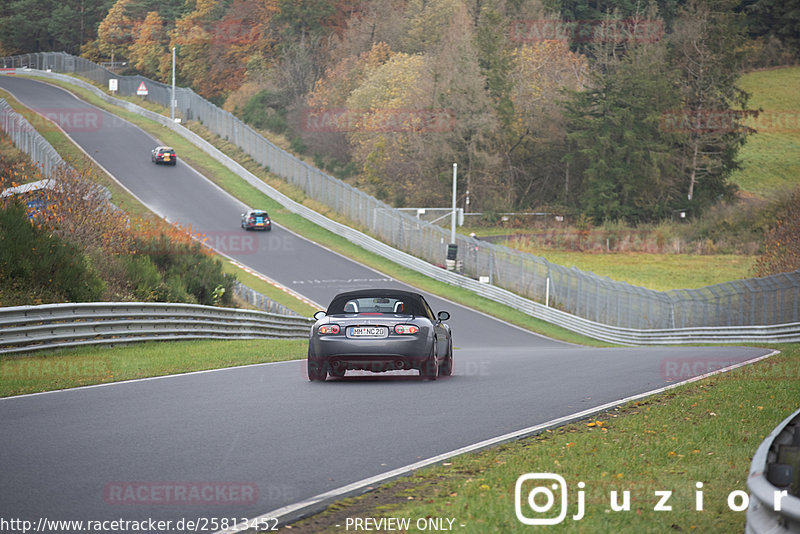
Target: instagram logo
[{"x": 541, "y": 498}]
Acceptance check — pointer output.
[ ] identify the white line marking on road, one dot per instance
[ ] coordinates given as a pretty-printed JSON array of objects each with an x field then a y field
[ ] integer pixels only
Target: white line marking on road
[{"x": 315, "y": 504}]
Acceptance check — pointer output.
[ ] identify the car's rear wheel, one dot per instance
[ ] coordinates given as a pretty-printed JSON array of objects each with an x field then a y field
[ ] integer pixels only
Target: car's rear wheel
[
  {"x": 316, "y": 371},
  {"x": 446, "y": 368},
  {"x": 429, "y": 369},
  {"x": 337, "y": 372}
]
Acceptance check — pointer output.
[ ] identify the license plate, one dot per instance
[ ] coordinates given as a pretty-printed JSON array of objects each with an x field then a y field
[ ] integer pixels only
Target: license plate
[{"x": 367, "y": 331}]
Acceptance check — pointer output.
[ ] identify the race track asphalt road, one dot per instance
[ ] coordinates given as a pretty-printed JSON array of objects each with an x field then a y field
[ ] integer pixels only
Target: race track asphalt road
[{"x": 262, "y": 436}]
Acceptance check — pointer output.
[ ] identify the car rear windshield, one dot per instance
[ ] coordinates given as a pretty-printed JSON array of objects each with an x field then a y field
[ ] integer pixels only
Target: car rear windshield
[
  {"x": 167, "y": 151},
  {"x": 259, "y": 214},
  {"x": 369, "y": 304}
]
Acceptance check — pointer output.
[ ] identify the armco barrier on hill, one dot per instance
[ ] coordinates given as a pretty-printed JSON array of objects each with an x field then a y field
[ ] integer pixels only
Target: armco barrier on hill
[
  {"x": 29, "y": 328},
  {"x": 598, "y": 300}
]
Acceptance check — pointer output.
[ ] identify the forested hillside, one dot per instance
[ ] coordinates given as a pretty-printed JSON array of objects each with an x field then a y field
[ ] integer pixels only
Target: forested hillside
[{"x": 617, "y": 110}]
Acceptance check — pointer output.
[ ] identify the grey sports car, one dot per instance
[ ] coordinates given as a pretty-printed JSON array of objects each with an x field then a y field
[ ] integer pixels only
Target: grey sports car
[{"x": 380, "y": 330}]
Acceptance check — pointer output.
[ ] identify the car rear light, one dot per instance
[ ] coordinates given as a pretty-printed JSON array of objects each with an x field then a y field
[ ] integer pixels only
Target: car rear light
[
  {"x": 329, "y": 329},
  {"x": 406, "y": 329}
]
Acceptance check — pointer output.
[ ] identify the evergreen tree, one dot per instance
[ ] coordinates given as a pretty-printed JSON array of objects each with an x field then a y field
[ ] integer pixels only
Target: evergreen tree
[
  {"x": 626, "y": 163},
  {"x": 49, "y": 25},
  {"x": 779, "y": 18}
]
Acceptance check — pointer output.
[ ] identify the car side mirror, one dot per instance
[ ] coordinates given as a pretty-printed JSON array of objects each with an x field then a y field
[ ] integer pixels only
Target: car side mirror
[
  {"x": 319, "y": 315},
  {"x": 442, "y": 316}
]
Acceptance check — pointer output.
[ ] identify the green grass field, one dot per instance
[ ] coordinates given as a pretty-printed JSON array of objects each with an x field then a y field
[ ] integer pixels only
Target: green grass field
[
  {"x": 771, "y": 158},
  {"x": 661, "y": 272}
]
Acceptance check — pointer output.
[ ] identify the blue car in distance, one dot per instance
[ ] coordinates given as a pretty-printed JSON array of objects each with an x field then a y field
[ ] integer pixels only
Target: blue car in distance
[{"x": 256, "y": 220}]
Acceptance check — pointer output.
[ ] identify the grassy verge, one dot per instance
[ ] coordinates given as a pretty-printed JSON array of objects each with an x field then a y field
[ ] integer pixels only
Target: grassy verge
[
  {"x": 67, "y": 368},
  {"x": 704, "y": 432},
  {"x": 253, "y": 197}
]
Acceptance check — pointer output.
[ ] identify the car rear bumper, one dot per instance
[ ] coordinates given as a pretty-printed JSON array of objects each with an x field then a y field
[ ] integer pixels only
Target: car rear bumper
[{"x": 388, "y": 354}]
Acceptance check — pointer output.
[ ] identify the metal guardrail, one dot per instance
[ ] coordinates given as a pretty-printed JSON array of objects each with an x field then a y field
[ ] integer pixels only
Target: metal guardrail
[
  {"x": 260, "y": 301},
  {"x": 756, "y": 301},
  {"x": 770, "y": 510},
  {"x": 780, "y": 333},
  {"x": 49, "y": 326},
  {"x": 26, "y": 138}
]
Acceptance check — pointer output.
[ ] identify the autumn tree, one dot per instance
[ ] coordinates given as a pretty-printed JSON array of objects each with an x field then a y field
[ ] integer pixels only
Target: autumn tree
[
  {"x": 241, "y": 39},
  {"x": 458, "y": 86},
  {"x": 375, "y": 22},
  {"x": 330, "y": 93},
  {"x": 536, "y": 138},
  {"x": 192, "y": 37},
  {"x": 148, "y": 50},
  {"x": 168, "y": 10},
  {"x": 433, "y": 110},
  {"x": 379, "y": 137},
  {"x": 342, "y": 78},
  {"x": 116, "y": 32},
  {"x": 426, "y": 24}
]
